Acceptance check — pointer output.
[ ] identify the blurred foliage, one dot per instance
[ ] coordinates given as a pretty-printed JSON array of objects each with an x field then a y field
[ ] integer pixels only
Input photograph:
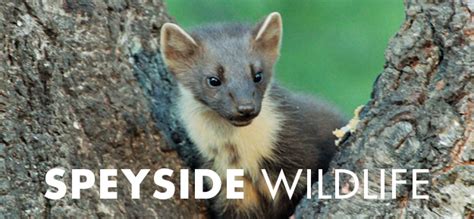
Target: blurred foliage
[{"x": 332, "y": 48}]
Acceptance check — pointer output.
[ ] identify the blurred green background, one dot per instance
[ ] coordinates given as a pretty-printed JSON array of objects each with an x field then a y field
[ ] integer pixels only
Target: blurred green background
[{"x": 331, "y": 48}]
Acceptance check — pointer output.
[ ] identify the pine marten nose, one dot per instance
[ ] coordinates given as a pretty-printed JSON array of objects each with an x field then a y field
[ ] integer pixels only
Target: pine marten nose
[{"x": 246, "y": 110}]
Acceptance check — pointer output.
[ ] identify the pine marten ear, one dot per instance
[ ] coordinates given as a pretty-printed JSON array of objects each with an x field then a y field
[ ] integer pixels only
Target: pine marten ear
[
  {"x": 267, "y": 35},
  {"x": 177, "y": 47}
]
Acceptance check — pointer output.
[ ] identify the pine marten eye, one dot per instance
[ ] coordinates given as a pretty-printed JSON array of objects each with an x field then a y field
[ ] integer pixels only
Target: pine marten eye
[
  {"x": 214, "y": 82},
  {"x": 258, "y": 77}
]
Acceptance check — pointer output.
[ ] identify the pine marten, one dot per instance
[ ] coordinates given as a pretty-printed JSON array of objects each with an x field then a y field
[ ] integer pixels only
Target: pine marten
[{"x": 239, "y": 118}]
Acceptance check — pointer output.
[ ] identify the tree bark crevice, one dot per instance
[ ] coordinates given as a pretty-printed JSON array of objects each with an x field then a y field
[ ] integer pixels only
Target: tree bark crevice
[
  {"x": 419, "y": 117},
  {"x": 82, "y": 85},
  {"x": 69, "y": 98}
]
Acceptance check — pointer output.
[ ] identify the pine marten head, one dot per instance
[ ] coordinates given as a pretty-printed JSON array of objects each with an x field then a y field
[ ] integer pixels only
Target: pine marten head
[{"x": 227, "y": 67}]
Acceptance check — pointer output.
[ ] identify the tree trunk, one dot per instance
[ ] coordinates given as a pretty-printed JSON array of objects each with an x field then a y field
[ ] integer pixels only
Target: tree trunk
[
  {"x": 420, "y": 116},
  {"x": 70, "y": 98},
  {"x": 83, "y": 86}
]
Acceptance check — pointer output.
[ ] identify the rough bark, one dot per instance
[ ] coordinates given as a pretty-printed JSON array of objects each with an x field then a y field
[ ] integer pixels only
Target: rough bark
[
  {"x": 70, "y": 98},
  {"x": 420, "y": 116},
  {"x": 82, "y": 85}
]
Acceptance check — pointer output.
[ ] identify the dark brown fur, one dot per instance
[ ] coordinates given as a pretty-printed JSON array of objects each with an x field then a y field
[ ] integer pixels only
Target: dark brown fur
[
  {"x": 307, "y": 142},
  {"x": 234, "y": 53}
]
